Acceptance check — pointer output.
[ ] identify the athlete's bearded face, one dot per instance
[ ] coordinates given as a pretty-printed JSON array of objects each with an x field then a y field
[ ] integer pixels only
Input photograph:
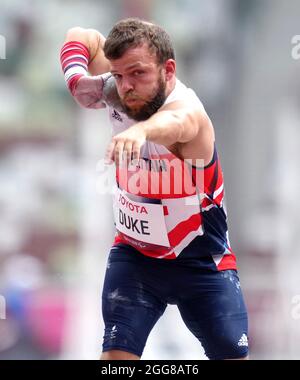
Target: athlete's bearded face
[
  {"x": 140, "y": 82},
  {"x": 139, "y": 107}
]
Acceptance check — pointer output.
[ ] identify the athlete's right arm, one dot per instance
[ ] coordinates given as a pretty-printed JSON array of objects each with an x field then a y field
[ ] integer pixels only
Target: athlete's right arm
[
  {"x": 94, "y": 41},
  {"x": 82, "y": 53}
]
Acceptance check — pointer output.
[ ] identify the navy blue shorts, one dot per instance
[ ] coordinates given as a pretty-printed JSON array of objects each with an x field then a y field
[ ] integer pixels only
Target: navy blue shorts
[{"x": 137, "y": 290}]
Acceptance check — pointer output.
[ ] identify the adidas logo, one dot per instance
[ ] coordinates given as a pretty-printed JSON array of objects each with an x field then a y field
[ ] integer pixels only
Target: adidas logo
[
  {"x": 113, "y": 332},
  {"x": 243, "y": 341},
  {"x": 117, "y": 116}
]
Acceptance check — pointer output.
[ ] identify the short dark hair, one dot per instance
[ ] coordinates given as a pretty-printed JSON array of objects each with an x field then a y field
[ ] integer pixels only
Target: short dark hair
[{"x": 133, "y": 32}]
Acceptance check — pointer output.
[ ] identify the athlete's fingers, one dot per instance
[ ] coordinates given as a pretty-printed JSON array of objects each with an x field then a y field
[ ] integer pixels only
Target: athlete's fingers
[
  {"x": 136, "y": 151},
  {"x": 119, "y": 149},
  {"x": 109, "y": 155},
  {"x": 128, "y": 152}
]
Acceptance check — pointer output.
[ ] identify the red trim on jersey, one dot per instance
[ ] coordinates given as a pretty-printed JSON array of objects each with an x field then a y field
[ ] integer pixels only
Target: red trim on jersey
[
  {"x": 152, "y": 251},
  {"x": 184, "y": 228},
  {"x": 206, "y": 202},
  {"x": 122, "y": 238},
  {"x": 227, "y": 262}
]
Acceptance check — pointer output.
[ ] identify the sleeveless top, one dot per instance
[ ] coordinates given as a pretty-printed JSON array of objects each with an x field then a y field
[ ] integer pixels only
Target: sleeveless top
[{"x": 166, "y": 208}]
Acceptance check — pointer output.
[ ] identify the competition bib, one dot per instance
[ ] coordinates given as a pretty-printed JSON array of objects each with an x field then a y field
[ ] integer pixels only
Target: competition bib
[{"x": 141, "y": 221}]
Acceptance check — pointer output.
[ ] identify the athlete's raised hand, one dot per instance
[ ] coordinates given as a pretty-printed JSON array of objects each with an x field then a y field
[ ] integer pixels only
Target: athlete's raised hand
[{"x": 126, "y": 146}]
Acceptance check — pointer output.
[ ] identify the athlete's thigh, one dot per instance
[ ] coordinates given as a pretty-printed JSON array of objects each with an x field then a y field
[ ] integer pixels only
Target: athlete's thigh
[
  {"x": 215, "y": 312},
  {"x": 131, "y": 304}
]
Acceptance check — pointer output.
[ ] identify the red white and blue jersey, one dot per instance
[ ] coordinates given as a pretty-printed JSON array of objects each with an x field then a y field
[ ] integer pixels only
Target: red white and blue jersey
[{"x": 167, "y": 208}]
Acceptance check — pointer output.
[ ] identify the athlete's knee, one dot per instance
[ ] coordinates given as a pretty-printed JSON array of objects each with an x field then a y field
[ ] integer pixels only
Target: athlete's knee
[
  {"x": 227, "y": 347},
  {"x": 122, "y": 338},
  {"x": 118, "y": 355}
]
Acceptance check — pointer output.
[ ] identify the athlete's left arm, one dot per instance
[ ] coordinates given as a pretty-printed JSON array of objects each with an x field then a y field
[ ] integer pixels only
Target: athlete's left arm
[{"x": 177, "y": 124}]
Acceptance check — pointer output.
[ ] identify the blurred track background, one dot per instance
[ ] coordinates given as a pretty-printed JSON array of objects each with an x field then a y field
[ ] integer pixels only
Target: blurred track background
[{"x": 56, "y": 230}]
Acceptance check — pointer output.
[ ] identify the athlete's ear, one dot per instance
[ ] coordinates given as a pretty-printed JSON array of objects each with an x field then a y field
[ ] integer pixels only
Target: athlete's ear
[{"x": 170, "y": 69}]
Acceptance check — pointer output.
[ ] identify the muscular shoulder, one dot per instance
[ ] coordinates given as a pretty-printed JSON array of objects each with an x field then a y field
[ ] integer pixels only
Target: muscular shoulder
[{"x": 201, "y": 145}]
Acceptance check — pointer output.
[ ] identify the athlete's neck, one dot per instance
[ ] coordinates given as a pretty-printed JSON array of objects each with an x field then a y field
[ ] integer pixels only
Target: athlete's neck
[{"x": 170, "y": 86}]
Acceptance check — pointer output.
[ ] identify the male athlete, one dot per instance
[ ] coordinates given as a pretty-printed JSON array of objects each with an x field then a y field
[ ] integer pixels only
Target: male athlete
[{"x": 171, "y": 246}]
